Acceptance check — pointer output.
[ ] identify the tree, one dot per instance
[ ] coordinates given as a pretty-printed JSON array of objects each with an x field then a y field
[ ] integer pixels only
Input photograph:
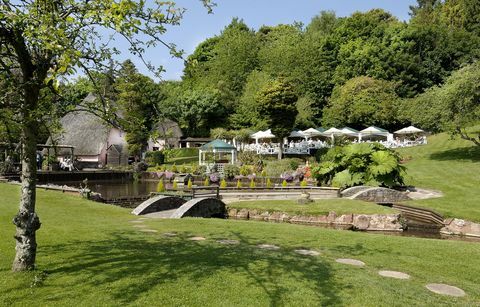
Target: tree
[
  {"x": 137, "y": 96},
  {"x": 362, "y": 102},
  {"x": 43, "y": 40},
  {"x": 277, "y": 105},
  {"x": 453, "y": 107}
]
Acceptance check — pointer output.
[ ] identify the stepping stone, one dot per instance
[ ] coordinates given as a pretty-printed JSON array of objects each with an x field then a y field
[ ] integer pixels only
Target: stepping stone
[
  {"x": 268, "y": 246},
  {"x": 445, "y": 289},
  {"x": 197, "y": 239},
  {"x": 136, "y": 221},
  {"x": 148, "y": 230},
  {"x": 170, "y": 234},
  {"x": 140, "y": 226},
  {"x": 350, "y": 261},
  {"x": 394, "y": 274},
  {"x": 229, "y": 242},
  {"x": 307, "y": 252}
]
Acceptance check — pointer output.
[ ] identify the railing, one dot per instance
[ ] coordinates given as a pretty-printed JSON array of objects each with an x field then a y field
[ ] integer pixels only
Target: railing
[{"x": 207, "y": 192}]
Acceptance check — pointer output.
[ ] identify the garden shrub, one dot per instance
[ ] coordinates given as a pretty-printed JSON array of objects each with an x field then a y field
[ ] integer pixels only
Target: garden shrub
[
  {"x": 154, "y": 157},
  {"x": 174, "y": 185},
  {"x": 249, "y": 158},
  {"x": 239, "y": 184},
  {"x": 174, "y": 168},
  {"x": 230, "y": 171},
  {"x": 252, "y": 183},
  {"x": 189, "y": 184},
  {"x": 245, "y": 170},
  {"x": 223, "y": 183},
  {"x": 269, "y": 183},
  {"x": 277, "y": 167},
  {"x": 160, "y": 186},
  {"x": 206, "y": 182},
  {"x": 284, "y": 183},
  {"x": 360, "y": 164}
]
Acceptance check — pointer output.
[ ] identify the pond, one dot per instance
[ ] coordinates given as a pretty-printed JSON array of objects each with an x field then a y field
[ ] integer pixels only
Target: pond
[{"x": 111, "y": 189}]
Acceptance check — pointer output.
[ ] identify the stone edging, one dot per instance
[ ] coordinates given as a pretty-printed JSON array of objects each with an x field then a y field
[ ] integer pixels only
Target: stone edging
[{"x": 374, "y": 222}]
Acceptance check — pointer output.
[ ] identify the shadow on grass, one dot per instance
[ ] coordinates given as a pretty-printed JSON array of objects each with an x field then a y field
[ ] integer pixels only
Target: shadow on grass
[
  {"x": 468, "y": 153},
  {"x": 130, "y": 266}
]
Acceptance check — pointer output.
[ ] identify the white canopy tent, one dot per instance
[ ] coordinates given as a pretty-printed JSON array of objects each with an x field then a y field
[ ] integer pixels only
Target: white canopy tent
[
  {"x": 409, "y": 130},
  {"x": 311, "y": 132},
  {"x": 267, "y": 134},
  {"x": 350, "y": 132},
  {"x": 375, "y": 131},
  {"x": 297, "y": 134}
]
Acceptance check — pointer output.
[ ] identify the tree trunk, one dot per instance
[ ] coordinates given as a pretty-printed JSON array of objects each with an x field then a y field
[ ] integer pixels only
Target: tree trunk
[{"x": 26, "y": 220}]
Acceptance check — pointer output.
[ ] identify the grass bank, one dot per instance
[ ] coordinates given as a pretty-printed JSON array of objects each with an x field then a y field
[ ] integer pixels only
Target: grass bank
[
  {"x": 91, "y": 254},
  {"x": 451, "y": 166}
]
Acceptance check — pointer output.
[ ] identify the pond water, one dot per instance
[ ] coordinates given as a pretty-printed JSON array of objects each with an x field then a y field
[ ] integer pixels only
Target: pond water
[{"x": 115, "y": 189}]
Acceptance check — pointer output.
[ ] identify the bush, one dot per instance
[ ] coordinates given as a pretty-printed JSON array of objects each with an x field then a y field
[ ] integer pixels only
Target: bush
[
  {"x": 245, "y": 170},
  {"x": 252, "y": 183},
  {"x": 174, "y": 168},
  {"x": 174, "y": 185},
  {"x": 239, "y": 184},
  {"x": 189, "y": 184},
  {"x": 206, "y": 182},
  {"x": 223, "y": 183},
  {"x": 160, "y": 186},
  {"x": 249, "y": 158},
  {"x": 183, "y": 169},
  {"x": 360, "y": 164},
  {"x": 284, "y": 183},
  {"x": 140, "y": 167},
  {"x": 269, "y": 184},
  {"x": 277, "y": 167},
  {"x": 214, "y": 177},
  {"x": 154, "y": 157},
  {"x": 230, "y": 171}
]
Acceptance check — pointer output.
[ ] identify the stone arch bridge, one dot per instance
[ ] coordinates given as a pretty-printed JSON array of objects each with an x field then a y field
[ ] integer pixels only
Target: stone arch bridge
[{"x": 176, "y": 207}]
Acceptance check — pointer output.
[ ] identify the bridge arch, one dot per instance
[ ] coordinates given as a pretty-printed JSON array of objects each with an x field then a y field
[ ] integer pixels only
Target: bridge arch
[
  {"x": 201, "y": 207},
  {"x": 158, "y": 203}
]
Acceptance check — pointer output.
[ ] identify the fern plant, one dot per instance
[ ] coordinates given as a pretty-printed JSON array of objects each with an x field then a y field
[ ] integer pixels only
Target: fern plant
[{"x": 360, "y": 164}]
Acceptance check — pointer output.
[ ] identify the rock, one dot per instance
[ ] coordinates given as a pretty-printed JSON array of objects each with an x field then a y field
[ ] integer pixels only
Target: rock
[
  {"x": 345, "y": 219},
  {"x": 232, "y": 213},
  {"x": 304, "y": 198},
  {"x": 388, "y": 222},
  {"x": 243, "y": 214},
  {"x": 331, "y": 216},
  {"x": 361, "y": 222},
  {"x": 445, "y": 290},
  {"x": 319, "y": 220},
  {"x": 461, "y": 228},
  {"x": 278, "y": 217}
]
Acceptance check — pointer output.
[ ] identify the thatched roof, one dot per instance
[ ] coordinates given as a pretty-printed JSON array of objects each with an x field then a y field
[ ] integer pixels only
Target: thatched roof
[
  {"x": 169, "y": 128},
  {"x": 85, "y": 131}
]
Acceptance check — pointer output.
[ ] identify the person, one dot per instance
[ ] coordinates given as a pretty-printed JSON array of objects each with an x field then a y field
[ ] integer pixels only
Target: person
[{"x": 39, "y": 160}]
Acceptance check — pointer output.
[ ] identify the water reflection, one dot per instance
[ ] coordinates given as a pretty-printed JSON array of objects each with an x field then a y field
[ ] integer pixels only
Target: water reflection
[{"x": 115, "y": 189}]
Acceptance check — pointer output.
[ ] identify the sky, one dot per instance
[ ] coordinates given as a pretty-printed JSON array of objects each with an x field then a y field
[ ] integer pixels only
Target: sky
[{"x": 197, "y": 25}]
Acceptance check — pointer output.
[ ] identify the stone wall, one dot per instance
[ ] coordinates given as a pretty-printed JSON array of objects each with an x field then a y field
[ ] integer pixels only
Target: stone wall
[{"x": 386, "y": 222}]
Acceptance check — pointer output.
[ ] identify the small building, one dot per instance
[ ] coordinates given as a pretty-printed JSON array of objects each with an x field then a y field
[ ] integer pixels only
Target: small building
[
  {"x": 96, "y": 143},
  {"x": 190, "y": 142},
  {"x": 167, "y": 134}
]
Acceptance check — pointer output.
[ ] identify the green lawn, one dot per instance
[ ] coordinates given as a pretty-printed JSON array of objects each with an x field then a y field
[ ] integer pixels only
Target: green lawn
[
  {"x": 451, "y": 166},
  {"x": 92, "y": 255},
  {"x": 319, "y": 207}
]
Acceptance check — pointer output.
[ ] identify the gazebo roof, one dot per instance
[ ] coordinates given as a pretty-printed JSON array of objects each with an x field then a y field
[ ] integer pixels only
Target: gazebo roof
[{"x": 217, "y": 145}]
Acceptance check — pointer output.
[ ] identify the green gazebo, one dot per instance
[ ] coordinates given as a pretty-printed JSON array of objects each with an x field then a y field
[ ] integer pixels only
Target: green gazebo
[{"x": 221, "y": 152}]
